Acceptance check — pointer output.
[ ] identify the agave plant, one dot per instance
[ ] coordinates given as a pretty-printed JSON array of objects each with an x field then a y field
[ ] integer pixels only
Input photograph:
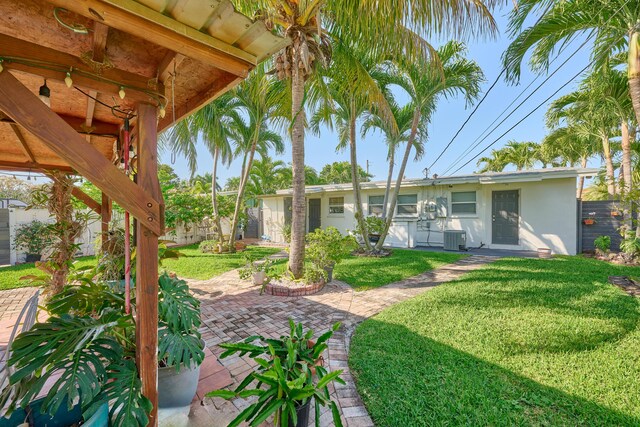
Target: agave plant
[{"x": 87, "y": 346}]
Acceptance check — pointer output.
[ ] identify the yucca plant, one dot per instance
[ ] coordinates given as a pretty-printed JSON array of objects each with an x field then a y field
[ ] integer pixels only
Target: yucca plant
[
  {"x": 289, "y": 375},
  {"x": 90, "y": 343}
]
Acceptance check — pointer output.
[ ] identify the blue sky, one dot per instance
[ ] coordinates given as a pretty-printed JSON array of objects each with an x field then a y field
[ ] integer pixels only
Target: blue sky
[{"x": 448, "y": 118}]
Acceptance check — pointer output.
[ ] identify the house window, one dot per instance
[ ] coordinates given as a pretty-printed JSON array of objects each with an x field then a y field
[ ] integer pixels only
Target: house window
[
  {"x": 376, "y": 205},
  {"x": 336, "y": 205},
  {"x": 407, "y": 204},
  {"x": 463, "y": 202}
]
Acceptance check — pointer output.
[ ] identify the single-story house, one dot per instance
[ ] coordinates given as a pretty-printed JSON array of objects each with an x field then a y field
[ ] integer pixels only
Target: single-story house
[{"x": 523, "y": 210}]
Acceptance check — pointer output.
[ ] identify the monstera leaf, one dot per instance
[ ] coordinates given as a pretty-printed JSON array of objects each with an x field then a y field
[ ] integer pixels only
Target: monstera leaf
[
  {"x": 78, "y": 349},
  {"x": 87, "y": 298},
  {"x": 176, "y": 348},
  {"x": 177, "y": 307},
  {"x": 123, "y": 391}
]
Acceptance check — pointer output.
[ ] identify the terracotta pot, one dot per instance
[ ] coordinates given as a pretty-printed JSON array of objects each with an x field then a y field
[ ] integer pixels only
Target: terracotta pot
[{"x": 588, "y": 221}]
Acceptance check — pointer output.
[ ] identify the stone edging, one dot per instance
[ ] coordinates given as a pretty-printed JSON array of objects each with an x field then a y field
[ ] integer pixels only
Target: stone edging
[{"x": 285, "y": 291}]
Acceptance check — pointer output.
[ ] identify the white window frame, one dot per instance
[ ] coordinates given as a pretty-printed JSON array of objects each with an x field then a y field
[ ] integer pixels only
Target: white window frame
[
  {"x": 336, "y": 205},
  {"x": 464, "y": 214},
  {"x": 398, "y": 204},
  {"x": 369, "y": 204}
]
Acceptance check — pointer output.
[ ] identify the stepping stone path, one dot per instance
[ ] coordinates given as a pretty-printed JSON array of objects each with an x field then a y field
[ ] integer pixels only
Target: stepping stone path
[
  {"x": 626, "y": 284},
  {"x": 233, "y": 309}
]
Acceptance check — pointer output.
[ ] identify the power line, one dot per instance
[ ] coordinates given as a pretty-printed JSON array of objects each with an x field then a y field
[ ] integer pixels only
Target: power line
[{"x": 481, "y": 100}]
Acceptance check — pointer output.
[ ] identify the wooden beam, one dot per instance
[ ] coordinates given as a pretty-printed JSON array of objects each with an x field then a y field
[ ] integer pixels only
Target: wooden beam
[
  {"x": 100, "y": 33},
  {"x": 141, "y": 21},
  {"x": 224, "y": 83},
  {"x": 32, "y": 167},
  {"x": 23, "y": 143},
  {"x": 170, "y": 62},
  {"x": 97, "y": 128},
  {"x": 105, "y": 219},
  {"x": 18, "y": 102},
  {"x": 147, "y": 263},
  {"x": 108, "y": 82},
  {"x": 87, "y": 200}
]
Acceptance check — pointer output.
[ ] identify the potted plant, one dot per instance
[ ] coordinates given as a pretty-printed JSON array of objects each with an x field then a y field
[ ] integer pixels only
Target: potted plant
[
  {"x": 327, "y": 247},
  {"x": 590, "y": 220},
  {"x": 261, "y": 272},
  {"x": 89, "y": 342},
  {"x": 34, "y": 238},
  {"x": 288, "y": 377}
]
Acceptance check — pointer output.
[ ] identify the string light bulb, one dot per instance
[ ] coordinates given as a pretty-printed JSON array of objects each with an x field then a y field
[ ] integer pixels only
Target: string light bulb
[
  {"x": 44, "y": 93},
  {"x": 68, "y": 80},
  {"x": 1, "y": 67},
  {"x": 163, "y": 111},
  {"x": 121, "y": 92}
]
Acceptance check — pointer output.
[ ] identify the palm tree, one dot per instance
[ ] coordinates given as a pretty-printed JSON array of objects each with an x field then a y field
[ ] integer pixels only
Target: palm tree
[
  {"x": 380, "y": 28},
  {"x": 211, "y": 123},
  {"x": 426, "y": 85},
  {"x": 395, "y": 132},
  {"x": 496, "y": 162},
  {"x": 523, "y": 155},
  {"x": 614, "y": 22},
  {"x": 268, "y": 175},
  {"x": 258, "y": 97},
  {"x": 350, "y": 92}
]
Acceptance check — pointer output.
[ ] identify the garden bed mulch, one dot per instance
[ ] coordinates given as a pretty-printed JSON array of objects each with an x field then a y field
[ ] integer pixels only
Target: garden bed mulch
[{"x": 626, "y": 284}]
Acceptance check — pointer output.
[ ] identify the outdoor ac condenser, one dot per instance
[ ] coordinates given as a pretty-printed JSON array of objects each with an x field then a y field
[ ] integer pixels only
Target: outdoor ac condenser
[{"x": 455, "y": 240}]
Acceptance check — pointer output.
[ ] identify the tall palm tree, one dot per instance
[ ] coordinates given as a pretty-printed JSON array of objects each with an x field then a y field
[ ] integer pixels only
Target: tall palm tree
[
  {"x": 388, "y": 26},
  {"x": 426, "y": 85},
  {"x": 268, "y": 175},
  {"x": 250, "y": 136},
  {"x": 351, "y": 91},
  {"x": 211, "y": 124},
  {"x": 523, "y": 155},
  {"x": 395, "y": 131},
  {"x": 614, "y": 22},
  {"x": 496, "y": 162}
]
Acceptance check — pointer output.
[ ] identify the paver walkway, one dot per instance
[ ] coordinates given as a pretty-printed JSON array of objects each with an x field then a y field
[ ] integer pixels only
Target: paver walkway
[{"x": 233, "y": 309}]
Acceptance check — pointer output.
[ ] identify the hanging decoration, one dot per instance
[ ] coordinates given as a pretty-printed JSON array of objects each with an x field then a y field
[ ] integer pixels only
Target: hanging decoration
[{"x": 68, "y": 80}]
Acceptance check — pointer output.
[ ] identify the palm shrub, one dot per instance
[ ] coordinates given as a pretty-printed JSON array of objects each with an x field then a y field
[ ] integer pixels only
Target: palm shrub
[
  {"x": 602, "y": 244},
  {"x": 289, "y": 375},
  {"x": 89, "y": 342},
  {"x": 630, "y": 245}
]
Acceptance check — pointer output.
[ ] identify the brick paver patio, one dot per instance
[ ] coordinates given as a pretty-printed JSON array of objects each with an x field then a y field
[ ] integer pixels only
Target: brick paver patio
[{"x": 233, "y": 309}]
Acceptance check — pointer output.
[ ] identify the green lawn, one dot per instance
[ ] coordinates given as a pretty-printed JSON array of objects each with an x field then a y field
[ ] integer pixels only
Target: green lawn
[
  {"x": 363, "y": 273},
  {"x": 196, "y": 265},
  {"x": 520, "y": 342},
  {"x": 193, "y": 265}
]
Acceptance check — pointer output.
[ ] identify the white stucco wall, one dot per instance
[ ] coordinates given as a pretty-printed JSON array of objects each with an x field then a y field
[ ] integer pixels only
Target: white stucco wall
[
  {"x": 548, "y": 215},
  {"x": 19, "y": 216}
]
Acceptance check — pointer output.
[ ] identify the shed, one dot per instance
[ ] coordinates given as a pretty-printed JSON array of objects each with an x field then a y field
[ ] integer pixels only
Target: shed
[{"x": 154, "y": 61}]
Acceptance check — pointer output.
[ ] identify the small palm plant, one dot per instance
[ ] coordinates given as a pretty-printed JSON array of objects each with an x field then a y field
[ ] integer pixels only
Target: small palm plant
[{"x": 289, "y": 375}]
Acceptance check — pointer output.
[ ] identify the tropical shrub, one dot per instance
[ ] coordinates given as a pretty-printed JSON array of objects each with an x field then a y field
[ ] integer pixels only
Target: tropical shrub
[
  {"x": 286, "y": 232},
  {"x": 289, "y": 374},
  {"x": 603, "y": 243},
  {"x": 327, "y": 247},
  {"x": 253, "y": 265},
  {"x": 34, "y": 237},
  {"x": 374, "y": 224},
  {"x": 630, "y": 245},
  {"x": 88, "y": 343},
  {"x": 209, "y": 246}
]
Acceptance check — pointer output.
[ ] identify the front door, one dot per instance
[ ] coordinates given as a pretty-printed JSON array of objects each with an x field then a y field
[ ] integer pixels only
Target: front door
[
  {"x": 505, "y": 217},
  {"x": 314, "y": 214}
]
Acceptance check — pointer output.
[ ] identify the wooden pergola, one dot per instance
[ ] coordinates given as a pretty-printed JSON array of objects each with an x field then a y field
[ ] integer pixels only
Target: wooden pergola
[{"x": 154, "y": 60}]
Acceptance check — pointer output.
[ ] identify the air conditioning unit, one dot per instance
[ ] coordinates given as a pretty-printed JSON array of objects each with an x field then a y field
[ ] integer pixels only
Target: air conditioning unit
[{"x": 455, "y": 240}]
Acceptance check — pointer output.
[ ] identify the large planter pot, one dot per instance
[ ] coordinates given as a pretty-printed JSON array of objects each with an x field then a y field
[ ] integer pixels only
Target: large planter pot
[
  {"x": 177, "y": 389},
  {"x": 329, "y": 271},
  {"x": 302, "y": 411},
  {"x": 259, "y": 277},
  {"x": 374, "y": 238},
  {"x": 62, "y": 418},
  {"x": 33, "y": 257}
]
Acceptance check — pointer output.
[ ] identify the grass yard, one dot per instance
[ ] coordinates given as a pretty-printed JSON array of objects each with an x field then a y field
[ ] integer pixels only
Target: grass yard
[
  {"x": 193, "y": 265},
  {"x": 519, "y": 342},
  {"x": 363, "y": 273},
  {"x": 197, "y": 265}
]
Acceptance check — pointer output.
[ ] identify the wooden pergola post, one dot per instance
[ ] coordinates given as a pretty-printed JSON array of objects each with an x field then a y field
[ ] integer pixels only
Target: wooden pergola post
[
  {"x": 147, "y": 261},
  {"x": 105, "y": 219}
]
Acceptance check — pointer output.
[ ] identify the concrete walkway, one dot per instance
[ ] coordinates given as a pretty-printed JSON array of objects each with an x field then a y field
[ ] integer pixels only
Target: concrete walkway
[{"x": 233, "y": 309}]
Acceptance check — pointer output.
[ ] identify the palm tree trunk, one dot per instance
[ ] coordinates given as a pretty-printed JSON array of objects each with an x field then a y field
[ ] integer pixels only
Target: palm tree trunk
[
  {"x": 606, "y": 150},
  {"x": 355, "y": 180},
  {"x": 583, "y": 163},
  {"x": 214, "y": 196},
  {"x": 626, "y": 158},
  {"x": 396, "y": 189},
  {"x": 298, "y": 204},
  {"x": 387, "y": 190},
  {"x": 243, "y": 184}
]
